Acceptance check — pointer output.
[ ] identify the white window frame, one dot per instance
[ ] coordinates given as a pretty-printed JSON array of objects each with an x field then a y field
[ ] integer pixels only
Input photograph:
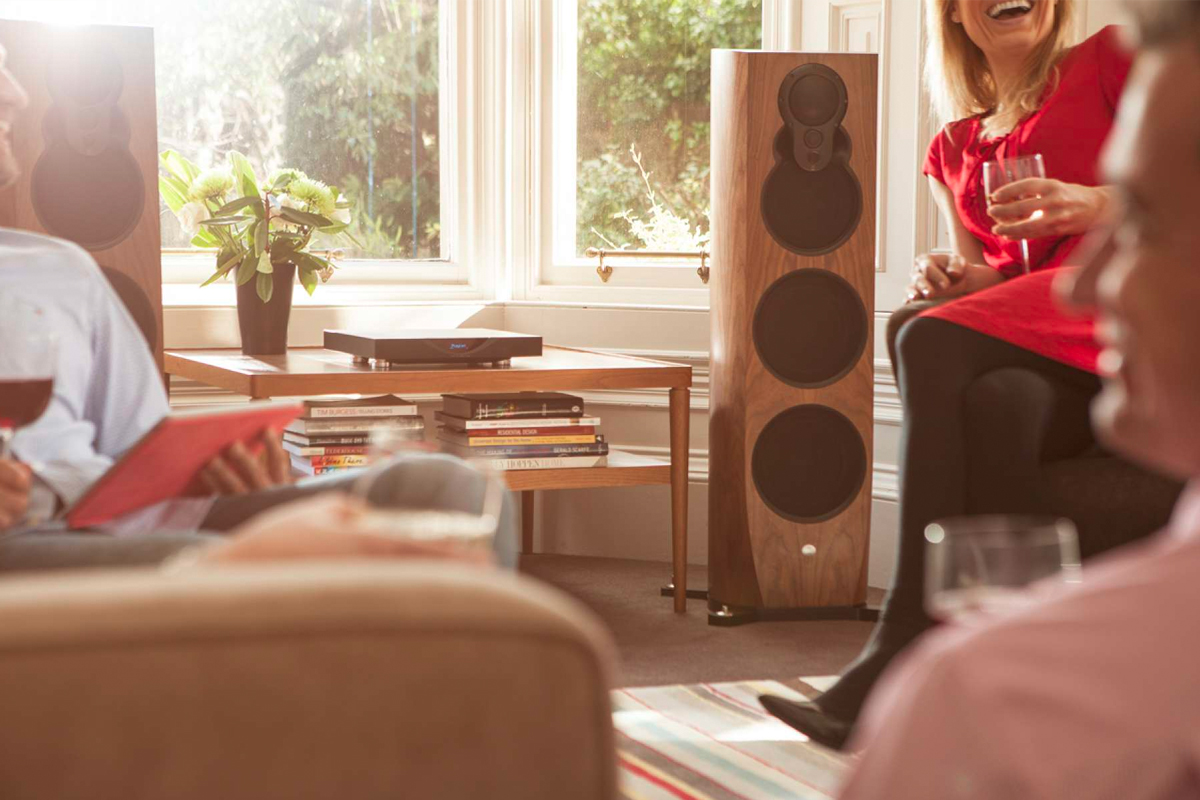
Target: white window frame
[
  {"x": 467, "y": 272},
  {"x": 546, "y": 50}
]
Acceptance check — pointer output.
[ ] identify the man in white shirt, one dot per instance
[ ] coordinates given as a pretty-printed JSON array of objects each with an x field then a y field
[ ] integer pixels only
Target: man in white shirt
[
  {"x": 1091, "y": 692},
  {"x": 108, "y": 393}
]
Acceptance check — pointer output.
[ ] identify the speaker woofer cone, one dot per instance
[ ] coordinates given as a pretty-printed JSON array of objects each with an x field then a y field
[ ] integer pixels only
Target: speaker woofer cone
[
  {"x": 810, "y": 328},
  {"x": 809, "y": 463}
]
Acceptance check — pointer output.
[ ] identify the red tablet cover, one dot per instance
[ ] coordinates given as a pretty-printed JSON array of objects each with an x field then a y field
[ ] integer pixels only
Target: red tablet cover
[{"x": 165, "y": 462}]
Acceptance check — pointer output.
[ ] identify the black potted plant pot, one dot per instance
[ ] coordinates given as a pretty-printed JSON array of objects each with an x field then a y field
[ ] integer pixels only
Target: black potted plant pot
[{"x": 264, "y": 326}]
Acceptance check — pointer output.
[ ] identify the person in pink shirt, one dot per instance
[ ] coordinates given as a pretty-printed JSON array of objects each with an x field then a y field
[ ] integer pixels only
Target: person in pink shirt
[{"x": 1092, "y": 691}]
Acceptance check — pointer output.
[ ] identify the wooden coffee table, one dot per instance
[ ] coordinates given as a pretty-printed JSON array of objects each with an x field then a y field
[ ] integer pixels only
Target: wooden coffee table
[{"x": 315, "y": 371}]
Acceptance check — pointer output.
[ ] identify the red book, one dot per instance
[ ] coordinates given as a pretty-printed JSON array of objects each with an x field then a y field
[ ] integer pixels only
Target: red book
[{"x": 164, "y": 464}]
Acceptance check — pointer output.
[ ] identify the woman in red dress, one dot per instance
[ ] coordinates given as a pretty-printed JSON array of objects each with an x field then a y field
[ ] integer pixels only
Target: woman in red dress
[{"x": 1002, "y": 70}]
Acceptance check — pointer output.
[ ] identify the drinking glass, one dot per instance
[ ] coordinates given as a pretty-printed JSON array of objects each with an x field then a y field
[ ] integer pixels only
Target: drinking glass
[
  {"x": 27, "y": 365},
  {"x": 983, "y": 564},
  {"x": 1011, "y": 170},
  {"x": 465, "y": 534}
]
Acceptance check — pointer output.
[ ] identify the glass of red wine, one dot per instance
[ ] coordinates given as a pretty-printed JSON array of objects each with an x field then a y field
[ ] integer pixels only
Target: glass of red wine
[
  {"x": 27, "y": 365},
  {"x": 983, "y": 565}
]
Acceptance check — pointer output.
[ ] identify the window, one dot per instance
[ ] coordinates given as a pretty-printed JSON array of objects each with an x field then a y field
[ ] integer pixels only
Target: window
[
  {"x": 344, "y": 90},
  {"x": 353, "y": 92},
  {"x": 631, "y": 131}
]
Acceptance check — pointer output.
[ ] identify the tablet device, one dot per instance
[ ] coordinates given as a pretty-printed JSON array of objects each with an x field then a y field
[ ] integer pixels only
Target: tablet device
[{"x": 165, "y": 463}]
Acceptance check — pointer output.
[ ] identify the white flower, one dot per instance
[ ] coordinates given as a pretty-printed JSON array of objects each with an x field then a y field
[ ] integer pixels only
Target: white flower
[
  {"x": 286, "y": 201},
  {"x": 341, "y": 216},
  {"x": 190, "y": 217}
]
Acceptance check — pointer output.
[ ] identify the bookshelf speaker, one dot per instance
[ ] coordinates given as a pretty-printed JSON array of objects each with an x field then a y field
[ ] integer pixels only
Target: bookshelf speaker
[
  {"x": 88, "y": 147},
  {"x": 793, "y": 221}
]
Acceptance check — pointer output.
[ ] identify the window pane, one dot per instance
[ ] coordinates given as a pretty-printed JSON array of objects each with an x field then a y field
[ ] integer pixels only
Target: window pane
[
  {"x": 643, "y": 117},
  {"x": 345, "y": 90}
]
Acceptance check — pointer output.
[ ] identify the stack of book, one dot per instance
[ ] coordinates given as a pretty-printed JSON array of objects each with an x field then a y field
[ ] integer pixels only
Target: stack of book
[
  {"x": 527, "y": 430},
  {"x": 335, "y": 435}
]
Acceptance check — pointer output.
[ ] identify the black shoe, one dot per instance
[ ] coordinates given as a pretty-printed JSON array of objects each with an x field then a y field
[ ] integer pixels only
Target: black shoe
[
  {"x": 844, "y": 699},
  {"x": 809, "y": 719}
]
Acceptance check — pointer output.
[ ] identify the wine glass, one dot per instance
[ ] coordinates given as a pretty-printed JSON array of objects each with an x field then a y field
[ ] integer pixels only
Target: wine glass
[
  {"x": 27, "y": 365},
  {"x": 464, "y": 535},
  {"x": 1011, "y": 170},
  {"x": 983, "y": 564}
]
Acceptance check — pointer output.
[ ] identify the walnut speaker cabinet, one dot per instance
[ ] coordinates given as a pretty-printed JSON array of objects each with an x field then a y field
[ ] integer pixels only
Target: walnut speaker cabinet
[
  {"x": 88, "y": 148},
  {"x": 793, "y": 221}
]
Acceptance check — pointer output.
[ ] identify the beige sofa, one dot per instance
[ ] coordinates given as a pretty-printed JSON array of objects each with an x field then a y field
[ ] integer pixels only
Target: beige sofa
[{"x": 348, "y": 680}]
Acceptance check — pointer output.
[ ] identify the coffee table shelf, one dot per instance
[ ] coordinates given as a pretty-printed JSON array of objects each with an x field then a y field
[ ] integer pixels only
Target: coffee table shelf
[{"x": 307, "y": 371}]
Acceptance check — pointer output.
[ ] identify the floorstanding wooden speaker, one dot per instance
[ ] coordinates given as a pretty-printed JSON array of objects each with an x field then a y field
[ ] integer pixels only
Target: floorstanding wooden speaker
[
  {"x": 793, "y": 221},
  {"x": 88, "y": 148}
]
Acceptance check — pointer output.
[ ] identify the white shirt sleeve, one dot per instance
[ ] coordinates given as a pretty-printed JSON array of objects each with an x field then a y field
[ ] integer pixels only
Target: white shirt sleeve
[{"x": 108, "y": 391}]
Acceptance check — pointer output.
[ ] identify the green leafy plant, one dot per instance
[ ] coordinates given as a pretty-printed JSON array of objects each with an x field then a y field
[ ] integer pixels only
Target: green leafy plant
[{"x": 255, "y": 226}]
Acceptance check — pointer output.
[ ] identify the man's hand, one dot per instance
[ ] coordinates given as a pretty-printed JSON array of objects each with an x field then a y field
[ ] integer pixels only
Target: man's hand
[
  {"x": 322, "y": 528},
  {"x": 1037, "y": 207},
  {"x": 16, "y": 481},
  {"x": 237, "y": 472}
]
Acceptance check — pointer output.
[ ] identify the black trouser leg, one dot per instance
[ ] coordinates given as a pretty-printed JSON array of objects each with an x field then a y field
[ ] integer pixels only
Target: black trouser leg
[{"x": 937, "y": 364}]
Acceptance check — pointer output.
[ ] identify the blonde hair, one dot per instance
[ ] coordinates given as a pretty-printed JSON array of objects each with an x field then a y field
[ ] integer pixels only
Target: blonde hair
[{"x": 960, "y": 83}]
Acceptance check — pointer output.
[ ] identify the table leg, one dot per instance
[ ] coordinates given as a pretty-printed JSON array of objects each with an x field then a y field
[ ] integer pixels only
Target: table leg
[
  {"x": 527, "y": 521},
  {"x": 680, "y": 417}
]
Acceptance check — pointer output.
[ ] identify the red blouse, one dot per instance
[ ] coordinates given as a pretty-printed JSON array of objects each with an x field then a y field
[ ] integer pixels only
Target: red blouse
[{"x": 1069, "y": 130}]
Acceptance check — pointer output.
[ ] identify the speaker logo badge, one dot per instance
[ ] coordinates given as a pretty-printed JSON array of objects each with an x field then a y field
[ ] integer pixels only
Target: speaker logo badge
[{"x": 811, "y": 200}]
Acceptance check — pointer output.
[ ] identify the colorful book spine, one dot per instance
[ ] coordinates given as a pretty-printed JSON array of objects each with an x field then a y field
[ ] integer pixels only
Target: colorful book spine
[
  {"x": 459, "y": 423},
  {"x": 338, "y": 461},
  {"x": 322, "y": 450},
  {"x": 551, "y": 451},
  {"x": 501, "y": 441},
  {"x": 576, "y": 430},
  {"x": 574, "y": 462}
]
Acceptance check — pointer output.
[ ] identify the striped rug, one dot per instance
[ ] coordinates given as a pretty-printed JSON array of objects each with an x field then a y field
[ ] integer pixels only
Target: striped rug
[{"x": 713, "y": 741}]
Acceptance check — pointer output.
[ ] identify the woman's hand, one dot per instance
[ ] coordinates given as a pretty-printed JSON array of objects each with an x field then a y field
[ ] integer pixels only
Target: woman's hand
[
  {"x": 941, "y": 275},
  {"x": 1037, "y": 207}
]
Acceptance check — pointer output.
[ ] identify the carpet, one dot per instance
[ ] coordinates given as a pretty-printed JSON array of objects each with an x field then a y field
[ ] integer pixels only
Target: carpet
[{"x": 713, "y": 741}]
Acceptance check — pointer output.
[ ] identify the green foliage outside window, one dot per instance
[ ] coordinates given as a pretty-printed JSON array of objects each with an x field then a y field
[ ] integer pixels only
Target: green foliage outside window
[
  {"x": 345, "y": 89},
  {"x": 643, "y": 89}
]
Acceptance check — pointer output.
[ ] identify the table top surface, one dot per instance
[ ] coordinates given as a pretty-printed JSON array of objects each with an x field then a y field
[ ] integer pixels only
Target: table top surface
[{"x": 318, "y": 371}]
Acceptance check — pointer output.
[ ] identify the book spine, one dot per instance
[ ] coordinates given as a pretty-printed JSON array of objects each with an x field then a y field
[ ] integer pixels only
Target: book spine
[
  {"x": 338, "y": 461},
  {"x": 501, "y": 441},
  {"x": 320, "y": 450},
  {"x": 519, "y": 451},
  {"x": 482, "y": 410},
  {"x": 336, "y": 412},
  {"x": 458, "y": 423},
  {"x": 576, "y": 462},
  {"x": 578, "y": 430},
  {"x": 310, "y": 426}
]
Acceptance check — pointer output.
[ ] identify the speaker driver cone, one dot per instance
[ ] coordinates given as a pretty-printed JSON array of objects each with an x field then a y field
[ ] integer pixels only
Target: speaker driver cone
[
  {"x": 809, "y": 463},
  {"x": 810, "y": 328}
]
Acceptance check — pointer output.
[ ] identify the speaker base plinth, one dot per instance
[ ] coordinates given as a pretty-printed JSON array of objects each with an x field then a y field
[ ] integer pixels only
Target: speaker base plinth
[
  {"x": 693, "y": 594},
  {"x": 725, "y": 616}
]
